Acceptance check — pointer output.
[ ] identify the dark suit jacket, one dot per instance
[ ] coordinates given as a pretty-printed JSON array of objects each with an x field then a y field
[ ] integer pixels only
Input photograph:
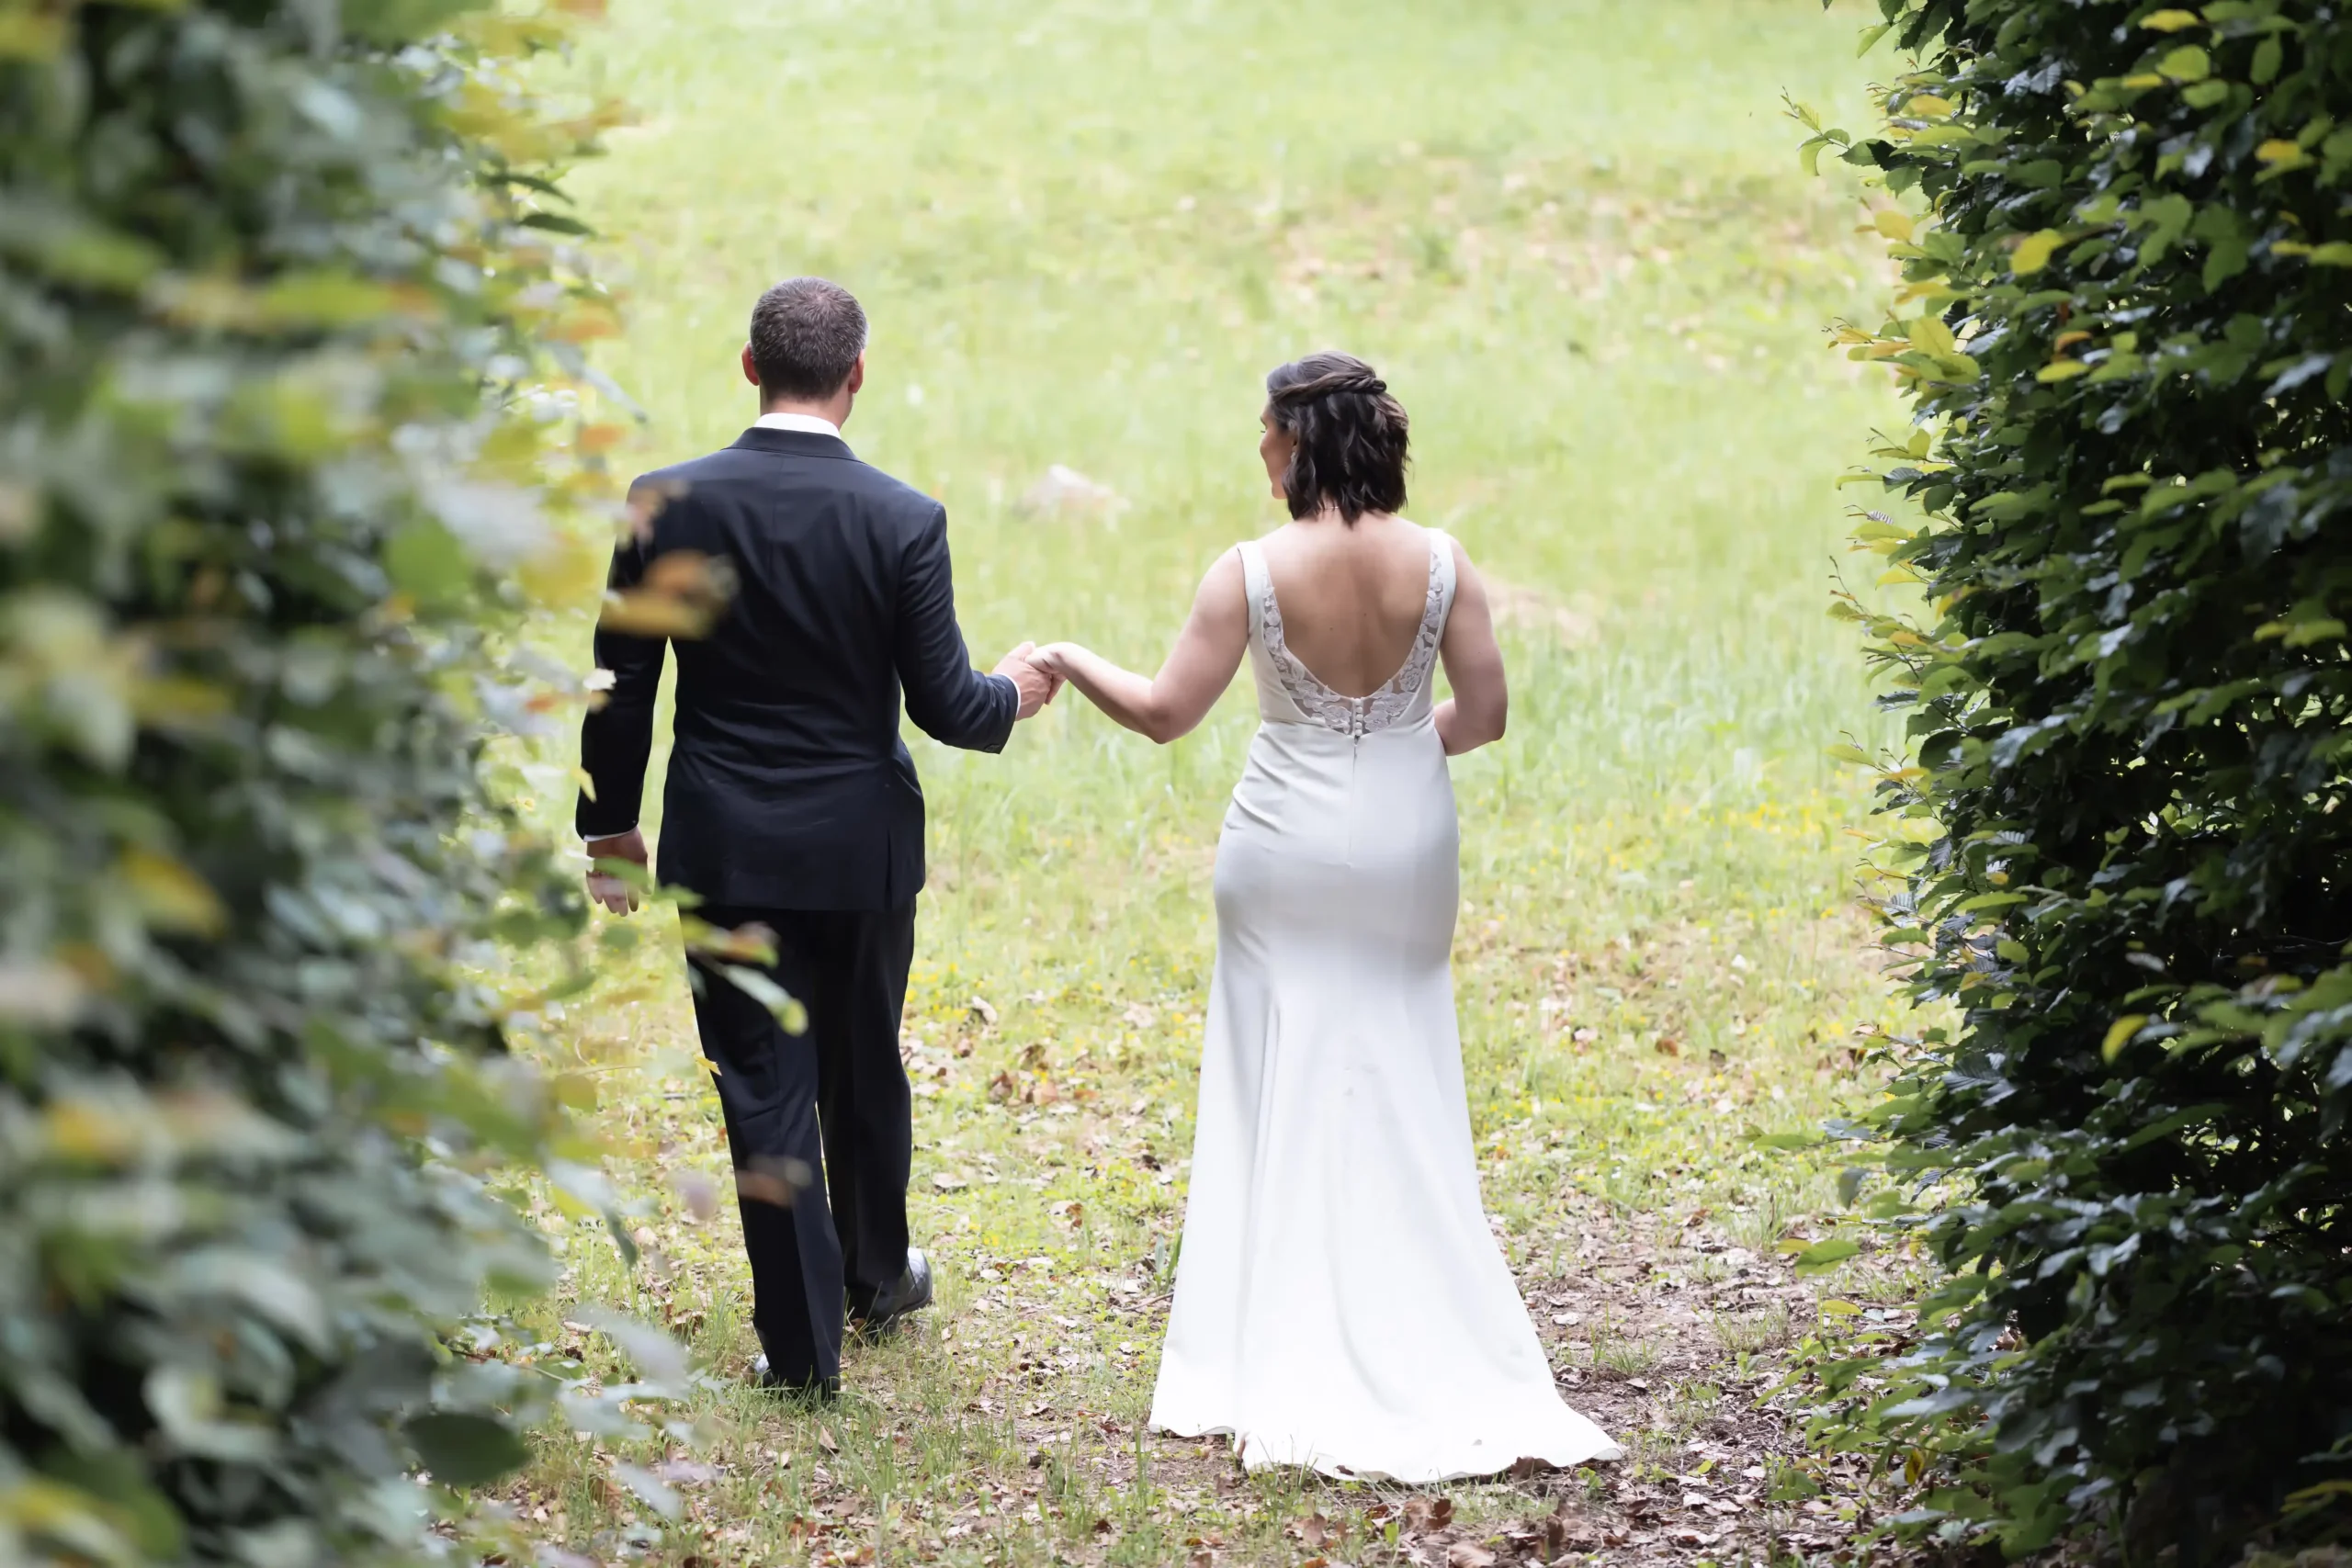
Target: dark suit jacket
[{"x": 789, "y": 787}]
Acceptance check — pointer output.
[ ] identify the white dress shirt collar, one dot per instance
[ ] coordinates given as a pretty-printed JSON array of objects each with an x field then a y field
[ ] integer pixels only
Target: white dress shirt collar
[{"x": 806, "y": 424}]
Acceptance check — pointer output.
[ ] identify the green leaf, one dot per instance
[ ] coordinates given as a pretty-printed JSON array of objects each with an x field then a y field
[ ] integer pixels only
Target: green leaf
[
  {"x": 2033, "y": 251},
  {"x": 756, "y": 985},
  {"x": 1930, "y": 333},
  {"x": 2225, "y": 260},
  {"x": 323, "y": 296},
  {"x": 2186, "y": 63},
  {"x": 649, "y": 1489},
  {"x": 465, "y": 1450},
  {"x": 426, "y": 561},
  {"x": 2120, "y": 1033},
  {"x": 31, "y": 34},
  {"x": 2177, "y": 1122},
  {"x": 2322, "y": 628},
  {"x": 1822, "y": 1255}
]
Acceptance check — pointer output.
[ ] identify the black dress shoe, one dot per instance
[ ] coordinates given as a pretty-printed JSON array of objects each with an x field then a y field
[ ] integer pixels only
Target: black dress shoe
[
  {"x": 911, "y": 1293},
  {"x": 816, "y": 1392}
]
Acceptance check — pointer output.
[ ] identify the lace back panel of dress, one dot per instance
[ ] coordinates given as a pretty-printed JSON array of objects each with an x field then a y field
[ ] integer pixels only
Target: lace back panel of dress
[{"x": 1324, "y": 706}]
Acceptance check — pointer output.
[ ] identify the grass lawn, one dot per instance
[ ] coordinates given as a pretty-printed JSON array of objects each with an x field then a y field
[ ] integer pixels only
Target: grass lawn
[{"x": 1576, "y": 240}]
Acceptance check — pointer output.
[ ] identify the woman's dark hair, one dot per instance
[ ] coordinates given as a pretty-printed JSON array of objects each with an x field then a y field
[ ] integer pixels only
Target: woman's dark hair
[{"x": 1351, "y": 436}]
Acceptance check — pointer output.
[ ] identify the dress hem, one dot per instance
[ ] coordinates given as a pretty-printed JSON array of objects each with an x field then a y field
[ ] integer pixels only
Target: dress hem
[{"x": 1417, "y": 1475}]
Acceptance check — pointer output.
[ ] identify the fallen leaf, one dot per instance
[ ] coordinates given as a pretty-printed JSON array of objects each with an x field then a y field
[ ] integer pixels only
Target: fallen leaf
[
  {"x": 825, "y": 1440},
  {"x": 984, "y": 1012},
  {"x": 1552, "y": 1532},
  {"x": 1316, "y": 1530},
  {"x": 1462, "y": 1554},
  {"x": 1425, "y": 1514},
  {"x": 948, "y": 1183}
]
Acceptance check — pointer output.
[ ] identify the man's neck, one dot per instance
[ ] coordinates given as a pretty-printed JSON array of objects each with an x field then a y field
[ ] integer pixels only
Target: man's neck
[{"x": 833, "y": 412}]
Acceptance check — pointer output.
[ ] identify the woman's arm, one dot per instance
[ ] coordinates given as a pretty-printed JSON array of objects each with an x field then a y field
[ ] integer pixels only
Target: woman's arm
[
  {"x": 1199, "y": 667},
  {"x": 1480, "y": 706}
]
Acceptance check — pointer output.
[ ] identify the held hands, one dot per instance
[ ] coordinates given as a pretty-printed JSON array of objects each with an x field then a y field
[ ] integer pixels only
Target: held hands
[
  {"x": 611, "y": 891},
  {"x": 1037, "y": 683}
]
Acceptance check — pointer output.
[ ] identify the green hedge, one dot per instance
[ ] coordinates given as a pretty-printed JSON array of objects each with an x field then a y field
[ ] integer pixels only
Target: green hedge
[
  {"x": 274, "y": 295},
  {"x": 2122, "y": 837}
]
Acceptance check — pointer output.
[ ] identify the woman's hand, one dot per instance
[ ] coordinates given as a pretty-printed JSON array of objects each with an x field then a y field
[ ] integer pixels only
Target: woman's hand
[{"x": 1208, "y": 651}]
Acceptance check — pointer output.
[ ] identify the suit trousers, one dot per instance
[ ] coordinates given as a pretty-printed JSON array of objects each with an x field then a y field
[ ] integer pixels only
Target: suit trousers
[{"x": 820, "y": 1125}]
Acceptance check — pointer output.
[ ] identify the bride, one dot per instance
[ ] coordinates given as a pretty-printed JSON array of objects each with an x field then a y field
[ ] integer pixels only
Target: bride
[{"x": 1339, "y": 1303}]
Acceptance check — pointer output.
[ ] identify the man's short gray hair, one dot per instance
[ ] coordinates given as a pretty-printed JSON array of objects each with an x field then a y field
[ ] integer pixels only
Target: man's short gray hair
[{"x": 806, "y": 333}]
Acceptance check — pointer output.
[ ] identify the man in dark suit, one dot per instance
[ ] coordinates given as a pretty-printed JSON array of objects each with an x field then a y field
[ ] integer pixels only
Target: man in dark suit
[{"x": 792, "y": 806}]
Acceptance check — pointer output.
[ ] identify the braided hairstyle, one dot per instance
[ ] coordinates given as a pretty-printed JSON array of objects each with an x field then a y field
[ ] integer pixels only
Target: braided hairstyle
[{"x": 1351, "y": 436}]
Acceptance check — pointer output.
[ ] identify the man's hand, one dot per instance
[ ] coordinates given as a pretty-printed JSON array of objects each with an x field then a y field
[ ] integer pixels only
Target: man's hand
[
  {"x": 611, "y": 891},
  {"x": 1037, "y": 684}
]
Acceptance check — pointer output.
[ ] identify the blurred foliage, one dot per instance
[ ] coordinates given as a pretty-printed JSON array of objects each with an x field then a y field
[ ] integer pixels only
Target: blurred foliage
[
  {"x": 2117, "y": 853},
  {"x": 289, "y": 434}
]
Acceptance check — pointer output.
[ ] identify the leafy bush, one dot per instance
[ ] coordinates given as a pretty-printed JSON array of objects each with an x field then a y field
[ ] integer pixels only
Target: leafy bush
[
  {"x": 2122, "y": 838},
  {"x": 259, "y": 265}
]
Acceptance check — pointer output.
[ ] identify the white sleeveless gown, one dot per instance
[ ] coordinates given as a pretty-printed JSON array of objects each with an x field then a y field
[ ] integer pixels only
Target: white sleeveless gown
[{"x": 1339, "y": 1303}]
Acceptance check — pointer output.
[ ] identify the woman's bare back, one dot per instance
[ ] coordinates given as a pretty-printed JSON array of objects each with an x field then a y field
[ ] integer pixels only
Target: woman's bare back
[{"x": 1352, "y": 597}]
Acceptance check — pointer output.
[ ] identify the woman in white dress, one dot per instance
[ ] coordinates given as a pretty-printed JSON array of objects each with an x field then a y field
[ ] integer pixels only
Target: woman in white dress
[{"x": 1340, "y": 1301}]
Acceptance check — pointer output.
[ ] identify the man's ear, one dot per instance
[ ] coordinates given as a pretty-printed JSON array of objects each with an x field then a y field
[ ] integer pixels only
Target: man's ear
[
  {"x": 856, "y": 382},
  {"x": 750, "y": 366}
]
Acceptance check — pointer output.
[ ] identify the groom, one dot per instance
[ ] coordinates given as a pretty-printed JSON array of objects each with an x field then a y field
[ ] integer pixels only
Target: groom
[{"x": 792, "y": 804}]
